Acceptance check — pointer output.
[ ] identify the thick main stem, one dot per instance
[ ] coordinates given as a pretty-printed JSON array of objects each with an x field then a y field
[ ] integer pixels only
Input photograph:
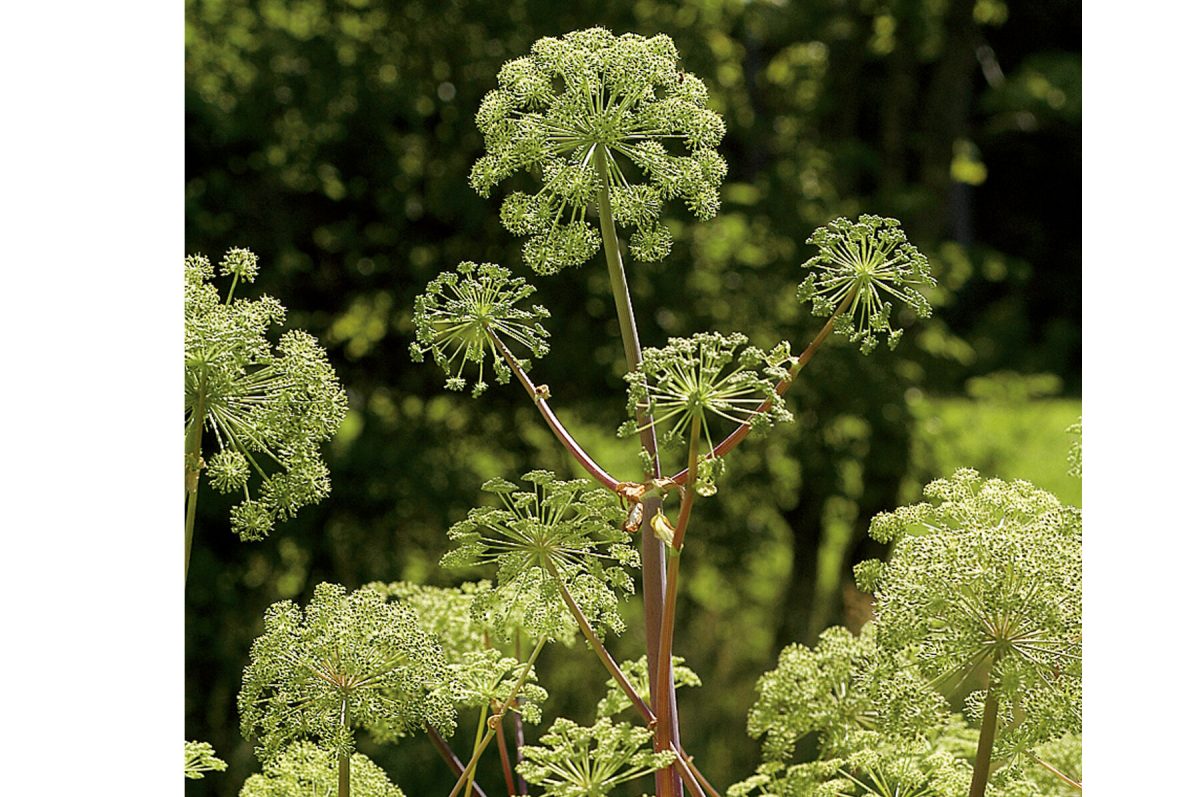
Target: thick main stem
[
  {"x": 653, "y": 566},
  {"x": 987, "y": 737}
]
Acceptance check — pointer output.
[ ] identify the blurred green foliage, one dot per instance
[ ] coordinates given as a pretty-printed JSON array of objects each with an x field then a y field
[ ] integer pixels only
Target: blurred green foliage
[{"x": 334, "y": 138}]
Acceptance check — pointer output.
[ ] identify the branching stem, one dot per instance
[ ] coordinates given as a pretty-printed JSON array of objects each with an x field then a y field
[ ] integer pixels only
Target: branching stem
[
  {"x": 449, "y": 757},
  {"x": 543, "y": 405},
  {"x": 497, "y": 716}
]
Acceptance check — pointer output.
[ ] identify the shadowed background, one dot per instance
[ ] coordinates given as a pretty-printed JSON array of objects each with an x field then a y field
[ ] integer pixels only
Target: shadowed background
[{"x": 335, "y": 138}]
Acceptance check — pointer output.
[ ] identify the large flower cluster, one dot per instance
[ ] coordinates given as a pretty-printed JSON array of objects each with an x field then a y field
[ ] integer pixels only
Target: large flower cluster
[
  {"x": 586, "y": 113},
  {"x": 344, "y": 662},
  {"x": 984, "y": 580},
  {"x": 576, "y": 761},
  {"x": 267, "y": 408}
]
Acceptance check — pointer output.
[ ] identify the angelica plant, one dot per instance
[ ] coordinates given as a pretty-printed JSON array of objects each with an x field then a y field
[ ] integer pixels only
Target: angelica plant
[
  {"x": 266, "y": 408},
  {"x": 984, "y": 581},
  {"x": 610, "y": 130}
]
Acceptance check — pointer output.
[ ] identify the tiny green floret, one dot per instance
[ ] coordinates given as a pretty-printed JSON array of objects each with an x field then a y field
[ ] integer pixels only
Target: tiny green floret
[
  {"x": 582, "y": 113},
  {"x": 458, "y": 310},
  {"x": 576, "y": 761},
  {"x": 198, "y": 758},
  {"x": 705, "y": 377},
  {"x": 344, "y": 662},
  {"x": 615, "y": 700},
  {"x": 872, "y": 261}
]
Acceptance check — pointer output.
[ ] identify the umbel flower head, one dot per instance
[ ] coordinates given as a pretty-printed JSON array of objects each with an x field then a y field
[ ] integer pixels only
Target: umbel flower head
[
  {"x": 576, "y": 761},
  {"x": 198, "y": 758},
  {"x": 871, "y": 261},
  {"x": 845, "y": 690},
  {"x": 589, "y": 114},
  {"x": 487, "y": 678},
  {"x": 443, "y": 612},
  {"x": 554, "y": 531},
  {"x": 460, "y": 308},
  {"x": 703, "y": 378},
  {"x": 267, "y": 408},
  {"x": 985, "y": 579},
  {"x": 305, "y": 770},
  {"x": 345, "y": 662}
]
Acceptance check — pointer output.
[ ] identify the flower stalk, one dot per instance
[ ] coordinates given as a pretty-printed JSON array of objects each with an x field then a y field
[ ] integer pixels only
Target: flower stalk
[
  {"x": 497, "y": 717},
  {"x": 653, "y": 551}
]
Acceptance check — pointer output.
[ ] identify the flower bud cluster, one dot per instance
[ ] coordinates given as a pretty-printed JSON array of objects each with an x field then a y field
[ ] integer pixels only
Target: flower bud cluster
[{"x": 587, "y": 114}]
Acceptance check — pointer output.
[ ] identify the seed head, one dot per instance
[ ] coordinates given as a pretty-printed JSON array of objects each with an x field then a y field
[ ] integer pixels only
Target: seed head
[
  {"x": 460, "y": 308},
  {"x": 872, "y": 260}
]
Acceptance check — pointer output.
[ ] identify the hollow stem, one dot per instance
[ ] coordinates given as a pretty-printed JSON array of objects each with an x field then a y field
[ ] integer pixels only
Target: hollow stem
[
  {"x": 987, "y": 737},
  {"x": 540, "y": 401},
  {"x": 653, "y": 554},
  {"x": 343, "y": 761},
  {"x": 494, "y": 719},
  {"x": 449, "y": 757},
  {"x": 739, "y": 434},
  {"x": 505, "y": 765}
]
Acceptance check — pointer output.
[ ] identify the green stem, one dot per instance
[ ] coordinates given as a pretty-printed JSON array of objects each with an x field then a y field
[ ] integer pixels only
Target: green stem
[
  {"x": 505, "y": 764},
  {"x": 470, "y": 773},
  {"x": 191, "y": 472},
  {"x": 663, "y": 677},
  {"x": 504, "y": 707},
  {"x": 987, "y": 737},
  {"x": 653, "y": 553}
]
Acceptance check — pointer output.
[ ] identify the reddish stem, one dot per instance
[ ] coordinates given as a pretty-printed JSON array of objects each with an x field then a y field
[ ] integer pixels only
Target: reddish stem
[
  {"x": 560, "y": 431},
  {"x": 449, "y": 757}
]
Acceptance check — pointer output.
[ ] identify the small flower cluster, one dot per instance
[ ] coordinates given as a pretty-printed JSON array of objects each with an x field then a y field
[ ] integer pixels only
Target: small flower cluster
[
  {"x": 198, "y": 758},
  {"x": 576, "y": 761},
  {"x": 344, "y": 662},
  {"x": 555, "y": 532},
  {"x": 701, "y": 378},
  {"x": 459, "y": 312},
  {"x": 867, "y": 263},
  {"x": 305, "y": 770},
  {"x": 615, "y": 700},
  {"x": 269, "y": 408},
  {"x": 582, "y": 112}
]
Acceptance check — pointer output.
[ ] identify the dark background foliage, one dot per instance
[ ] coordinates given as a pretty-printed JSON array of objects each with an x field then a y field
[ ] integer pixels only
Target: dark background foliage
[{"x": 335, "y": 138}]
